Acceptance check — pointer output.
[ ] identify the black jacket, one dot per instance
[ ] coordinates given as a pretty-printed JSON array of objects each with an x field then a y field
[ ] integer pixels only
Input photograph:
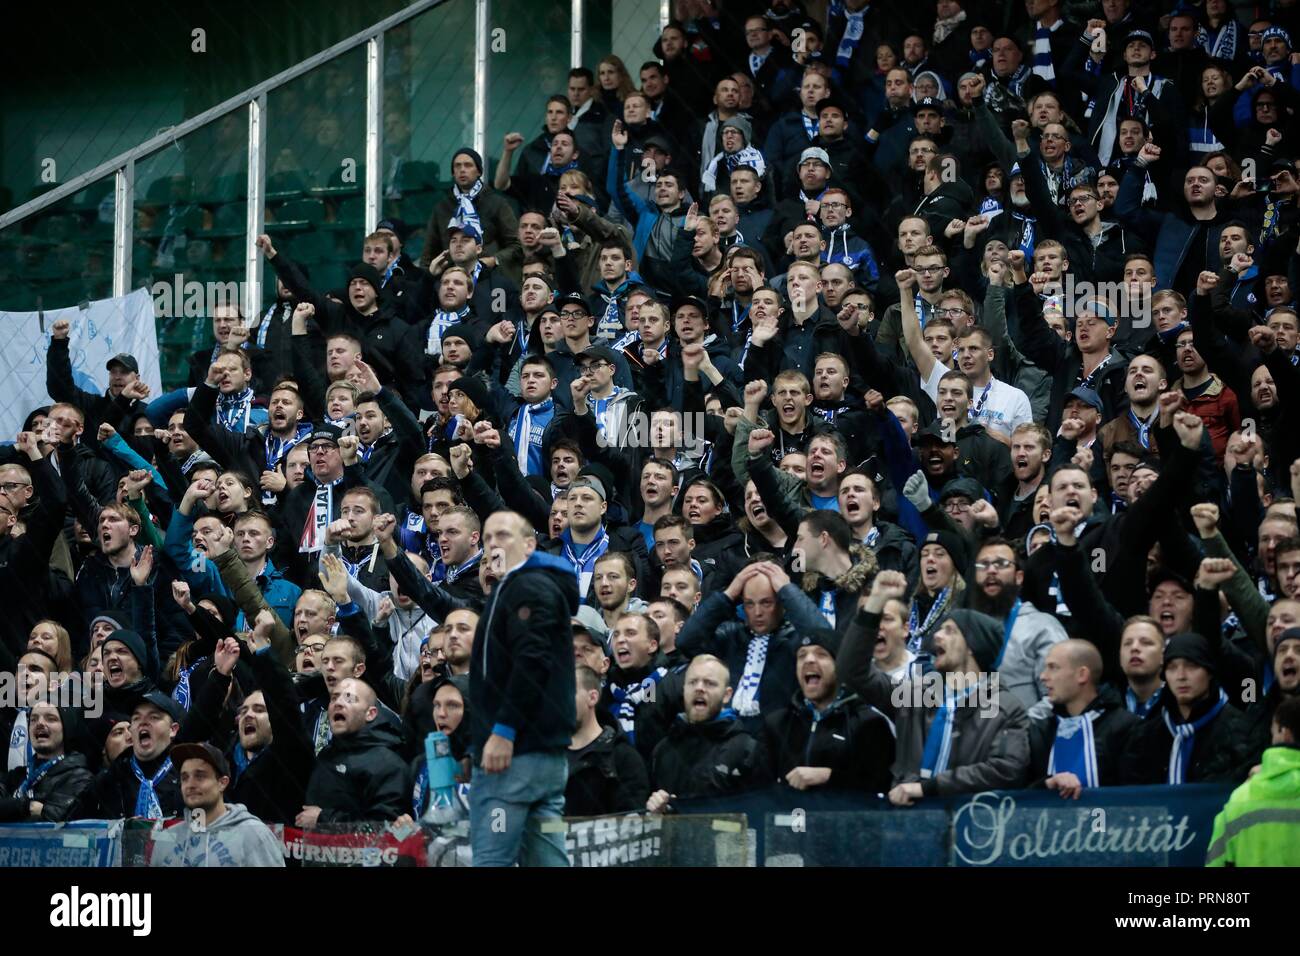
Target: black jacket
[
  {"x": 25, "y": 560},
  {"x": 701, "y": 760},
  {"x": 850, "y": 738},
  {"x": 114, "y": 792},
  {"x": 59, "y": 791},
  {"x": 273, "y": 784},
  {"x": 361, "y": 776},
  {"x": 606, "y": 776},
  {"x": 1111, "y": 732},
  {"x": 97, "y": 408},
  {"x": 521, "y": 678},
  {"x": 1222, "y": 751}
]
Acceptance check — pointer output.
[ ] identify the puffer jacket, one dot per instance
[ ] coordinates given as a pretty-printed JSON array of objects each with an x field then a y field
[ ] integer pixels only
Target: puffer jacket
[{"x": 838, "y": 599}]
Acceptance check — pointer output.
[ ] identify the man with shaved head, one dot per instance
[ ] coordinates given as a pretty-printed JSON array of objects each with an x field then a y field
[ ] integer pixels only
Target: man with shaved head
[{"x": 1080, "y": 744}]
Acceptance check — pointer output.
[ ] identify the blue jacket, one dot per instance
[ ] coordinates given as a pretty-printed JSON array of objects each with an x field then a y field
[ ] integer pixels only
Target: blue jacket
[
  {"x": 643, "y": 215},
  {"x": 1169, "y": 234}
]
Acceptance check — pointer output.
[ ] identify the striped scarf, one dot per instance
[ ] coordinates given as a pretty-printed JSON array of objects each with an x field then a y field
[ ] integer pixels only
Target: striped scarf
[
  {"x": 938, "y": 739},
  {"x": 855, "y": 27},
  {"x": 810, "y": 124},
  {"x": 442, "y": 321},
  {"x": 181, "y": 693},
  {"x": 233, "y": 411},
  {"x": 466, "y": 212},
  {"x": 627, "y": 699},
  {"x": 585, "y": 565},
  {"x": 1042, "y": 58},
  {"x": 27, "y": 789},
  {"x": 1136, "y": 706},
  {"x": 1224, "y": 44},
  {"x": 745, "y": 702},
  {"x": 1075, "y": 749},
  {"x": 146, "y": 798},
  {"x": 606, "y": 436},
  {"x": 527, "y": 429},
  {"x": 918, "y": 630},
  {"x": 1184, "y": 738}
]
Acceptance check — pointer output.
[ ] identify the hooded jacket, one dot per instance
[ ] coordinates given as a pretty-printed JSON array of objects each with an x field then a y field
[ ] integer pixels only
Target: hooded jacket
[
  {"x": 236, "y": 838},
  {"x": 707, "y": 759},
  {"x": 361, "y": 776},
  {"x": 990, "y": 745},
  {"x": 1260, "y": 825},
  {"x": 851, "y": 739},
  {"x": 844, "y": 590},
  {"x": 606, "y": 776},
  {"x": 1033, "y": 634},
  {"x": 1111, "y": 731},
  {"x": 521, "y": 678}
]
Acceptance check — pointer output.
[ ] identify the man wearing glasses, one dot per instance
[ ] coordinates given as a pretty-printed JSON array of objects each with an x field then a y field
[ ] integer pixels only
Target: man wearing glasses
[
  {"x": 924, "y": 289},
  {"x": 999, "y": 574},
  {"x": 610, "y": 405},
  {"x": 576, "y": 321}
]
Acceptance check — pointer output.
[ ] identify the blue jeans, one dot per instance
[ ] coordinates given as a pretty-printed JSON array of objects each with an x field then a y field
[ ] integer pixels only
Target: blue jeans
[{"x": 506, "y": 812}]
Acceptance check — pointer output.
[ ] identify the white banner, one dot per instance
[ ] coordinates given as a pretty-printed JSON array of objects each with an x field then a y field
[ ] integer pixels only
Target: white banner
[{"x": 100, "y": 330}]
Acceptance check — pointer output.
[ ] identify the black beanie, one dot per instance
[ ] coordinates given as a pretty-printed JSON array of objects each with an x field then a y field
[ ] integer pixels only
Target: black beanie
[
  {"x": 225, "y": 607},
  {"x": 983, "y": 635},
  {"x": 1290, "y": 634},
  {"x": 1190, "y": 647},
  {"x": 364, "y": 270},
  {"x": 133, "y": 643},
  {"x": 475, "y": 157},
  {"x": 822, "y": 637},
  {"x": 951, "y": 542},
  {"x": 474, "y": 389}
]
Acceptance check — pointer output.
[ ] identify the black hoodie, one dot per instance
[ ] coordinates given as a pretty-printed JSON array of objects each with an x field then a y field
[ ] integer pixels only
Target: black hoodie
[
  {"x": 521, "y": 677},
  {"x": 606, "y": 776}
]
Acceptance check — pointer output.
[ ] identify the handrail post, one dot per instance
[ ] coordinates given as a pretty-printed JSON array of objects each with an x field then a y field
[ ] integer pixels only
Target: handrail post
[
  {"x": 575, "y": 36},
  {"x": 256, "y": 206},
  {"x": 374, "y": 131},
  {"x": 123, "y": 228},
  {"x": 482, "y": 44}
]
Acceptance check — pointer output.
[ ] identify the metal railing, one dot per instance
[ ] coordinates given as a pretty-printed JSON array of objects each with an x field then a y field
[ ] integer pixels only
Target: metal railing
[
  {"x": 124, "y": 167},
  {"x": 253, "y": 100}
]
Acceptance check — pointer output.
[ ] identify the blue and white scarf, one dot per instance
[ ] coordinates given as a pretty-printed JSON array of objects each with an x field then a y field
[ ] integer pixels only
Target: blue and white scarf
[
  {"x": 1075, "y": 749},
  {"x": 855, "y": 25},
  {"x": 319, "y": 516},
  {"x": 277, "y": 448},
  {"x": 938, "y": 739},
  {"x": 527, "y": 429},
  {"x": 548, "y": 169},
  {"x": 584, "y": 566},
  {"x": 146, "y": 798},
  {"x": 1138, "y": 707},
  {"x": 442, "y": 321},
  {"x": 233, "y": 411},
  {"x": 451, "y": 575},
  {"x": 600, "y": 409},
  {"x": 810, "y": 124},
  {"x": 745, "y": 702},
  {"x": 20, "y": 743},
  {"x": 1224, "y": 44},
  {"x": 27, "y": 789},
  {"x": 181, "y": 693},
  {"x": 466, "y": 212},
  {"x": 1043, "y": 51},
  {"x": 627, "y": 699},
  {"x": 610, "y": 324},
  {"x": 1143, "y": 428},
  {"x": 264, "y": 327},
  {"x": 1184, "y": 738},
  {"x": 827, "y": 606},
  {"x": 916, "y": 629}
]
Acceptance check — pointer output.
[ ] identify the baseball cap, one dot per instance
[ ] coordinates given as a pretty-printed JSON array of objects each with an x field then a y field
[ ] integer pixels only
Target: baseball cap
[
  {"x": 163, "y": 702},
  {"x": 459, "y": 225},
  {"x": 204, "y": 751},
  {"x": 1142, "y": 35},
  {"x": 935, "y": 430},
  {"x": 928, "y": 103},
  {"x": 125, "y": 360},
  {"x": 572, "y": 298},
  {"x": 658, "y": 142},
  {"x": 1086, "y": 395},
  {"x": 590, "y": 622},
  {"x": 325, "y": 432},
  {"x": 599, "y": 353},
  {"x": 592, "y": 482}
]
